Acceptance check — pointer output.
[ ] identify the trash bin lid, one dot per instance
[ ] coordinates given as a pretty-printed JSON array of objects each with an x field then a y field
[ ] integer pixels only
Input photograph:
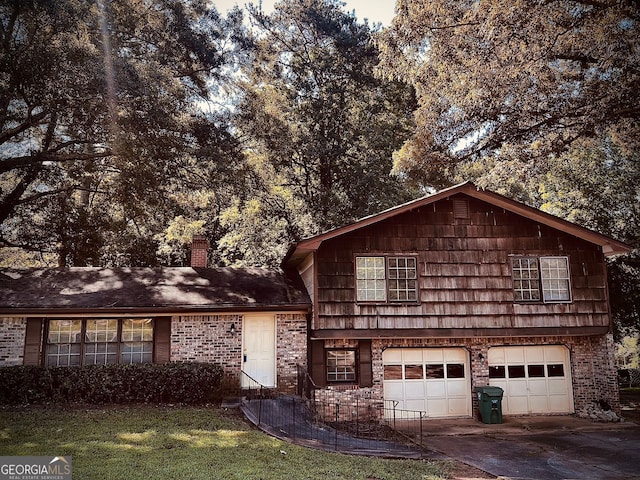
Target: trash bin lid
[{"x": 490, "y": 390}]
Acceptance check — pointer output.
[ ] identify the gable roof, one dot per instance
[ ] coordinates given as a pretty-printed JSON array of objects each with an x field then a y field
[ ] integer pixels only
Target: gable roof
[
  {"x": 610, "y": 246},
  {"x": 147, "y": 290}
]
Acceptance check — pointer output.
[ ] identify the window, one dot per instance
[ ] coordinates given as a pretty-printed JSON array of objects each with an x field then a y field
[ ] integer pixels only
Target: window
[
  {"x": 382, "y": 278},
  {"x": 541, "y": 278},
  {"x": 99, "y": 341},
  {"x": 341, "y": 365}
]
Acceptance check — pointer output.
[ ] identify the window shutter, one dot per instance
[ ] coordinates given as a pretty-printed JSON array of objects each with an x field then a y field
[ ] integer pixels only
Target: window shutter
[
  {"x": 162, "y": 340},
  {"x": 33, "y": 341},
  {"x": 318, "y": 372},
  {"x": 364, "y": 360}
]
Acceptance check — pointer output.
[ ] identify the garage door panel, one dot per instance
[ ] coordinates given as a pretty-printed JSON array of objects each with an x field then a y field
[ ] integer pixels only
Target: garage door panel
[
  {"x": 518, "y": 405},
  {"x": 457, "y": 387},
  {"x": 437, "y": 407},
  {"x": 517, "y": 388},
  {"x": 414, "y": 389},
  {"x": 535, "y": 378},
  {"x": 436, "y": 388},
  {"x": 393, "y": 390},
  {"x": 538, "y": 386},
  {"x": 457, "y": 406},
  {"x": 432, "y": 380},
  {"x": 538, "y": 404},
  {"x": 514, "y": 355}
]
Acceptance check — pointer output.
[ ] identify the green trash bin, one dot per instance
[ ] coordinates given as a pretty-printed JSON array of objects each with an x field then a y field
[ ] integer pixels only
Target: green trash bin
[{"x": 490, "y": 403}]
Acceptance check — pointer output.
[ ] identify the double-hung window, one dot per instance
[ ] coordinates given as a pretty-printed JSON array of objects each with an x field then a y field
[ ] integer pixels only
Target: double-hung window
[
  {"x": 99, "y": 341},
  {"x": 382, "y": 279},
  {"x": 543, "y": 279}
]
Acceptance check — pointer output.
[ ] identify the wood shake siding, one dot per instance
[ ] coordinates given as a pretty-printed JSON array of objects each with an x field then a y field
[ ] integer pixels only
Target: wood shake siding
[{"x": 464, "y": 272}]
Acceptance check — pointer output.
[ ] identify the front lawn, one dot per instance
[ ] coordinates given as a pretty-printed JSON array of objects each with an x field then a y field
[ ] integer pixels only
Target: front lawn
[{"x": 186, "y": 443}]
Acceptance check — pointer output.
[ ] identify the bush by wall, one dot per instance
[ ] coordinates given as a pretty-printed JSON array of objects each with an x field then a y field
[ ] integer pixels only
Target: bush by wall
[{"x": 178, "y": 382}]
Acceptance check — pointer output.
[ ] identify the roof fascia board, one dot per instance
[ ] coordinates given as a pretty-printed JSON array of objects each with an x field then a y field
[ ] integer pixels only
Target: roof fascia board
[{"x": 609, "y": 245}]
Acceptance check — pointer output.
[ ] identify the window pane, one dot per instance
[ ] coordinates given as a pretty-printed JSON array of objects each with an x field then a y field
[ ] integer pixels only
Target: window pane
[
  {"x": 65, "y": 331},
  {"x": 393, "y": 372},
  {"x": 435, "y": 371},
  {"x": 63, "y": 354},
  {"x": 535, "y": 371},
  {"x": 138, "y": 330},
  {"x": 555, "y": 370},
  {"x": 136, "y": 352},
  {"x": 555, "y": 279},
  {"x": 516, "y": 371},
  {"x": 370, "y": 279},
  {"x": 102, "y": 331},
  {"x": 100, "y": 353},
  {"x": 526, "y": 283},
  {"x": 63, "y": 343},
  {"x": 497, "y": 371},
  {"x": 402, "y": 279},
  {"x": 413, "y": 372},
  {"x": 455, "y": 370},
  {"x": 341, "y": 365}
]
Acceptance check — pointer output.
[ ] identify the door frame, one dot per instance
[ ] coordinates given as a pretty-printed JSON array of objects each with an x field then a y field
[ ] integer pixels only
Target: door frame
[{"x": 246, "y": 319}]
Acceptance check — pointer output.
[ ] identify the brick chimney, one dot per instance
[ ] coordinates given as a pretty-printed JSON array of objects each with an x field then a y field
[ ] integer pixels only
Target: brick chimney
[{"x": 199, "y": 250}]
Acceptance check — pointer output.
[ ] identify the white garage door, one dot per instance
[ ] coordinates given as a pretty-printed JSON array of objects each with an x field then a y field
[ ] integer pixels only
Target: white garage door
[
  {"x": 432, "y": 380},
  {"x": 535, "y": 379}
]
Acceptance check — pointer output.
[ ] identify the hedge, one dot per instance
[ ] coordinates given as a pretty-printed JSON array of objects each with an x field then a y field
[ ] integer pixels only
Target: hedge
[{"x": 178, "y": 382}]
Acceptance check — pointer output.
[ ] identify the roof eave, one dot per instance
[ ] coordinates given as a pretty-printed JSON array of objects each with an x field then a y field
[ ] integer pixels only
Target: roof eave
[{"x": 151, "y": 311}]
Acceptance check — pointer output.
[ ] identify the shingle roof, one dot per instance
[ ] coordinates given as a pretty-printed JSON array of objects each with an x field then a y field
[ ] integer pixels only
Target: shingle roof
[{"x": 148, "y": 289}]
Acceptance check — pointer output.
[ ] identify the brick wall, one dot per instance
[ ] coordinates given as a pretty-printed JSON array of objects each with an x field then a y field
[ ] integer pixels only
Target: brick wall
[
  {"x": 291, "y": 343},
  {"x": 12, "y": 336},
  {"x": 208, "y": 338},
  {"x": 593, "y": 371}
]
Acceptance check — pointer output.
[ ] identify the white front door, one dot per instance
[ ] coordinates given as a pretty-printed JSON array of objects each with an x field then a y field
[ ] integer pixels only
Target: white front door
[
  {"x": 535, "y": 379},
  {"x": 259, "y": 349}
]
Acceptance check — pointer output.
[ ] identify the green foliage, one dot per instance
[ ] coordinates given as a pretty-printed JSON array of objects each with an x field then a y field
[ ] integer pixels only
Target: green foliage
[
  {"x": 539, "y": 76},
  {"x": 314, "y": 111},
  {"x": 177, "y": 382},
  {"x": 102, "y": 122}
]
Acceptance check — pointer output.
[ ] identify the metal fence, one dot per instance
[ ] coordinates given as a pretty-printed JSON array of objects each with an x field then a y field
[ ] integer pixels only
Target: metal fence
[{"x": 366, "y": 426}]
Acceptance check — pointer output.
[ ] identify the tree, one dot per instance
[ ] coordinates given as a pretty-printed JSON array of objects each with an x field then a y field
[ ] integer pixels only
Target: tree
[
  {"x": 99, "y": 121},
  {"x": 535, "y": 76},
  {"x": 313, "y": 109}
]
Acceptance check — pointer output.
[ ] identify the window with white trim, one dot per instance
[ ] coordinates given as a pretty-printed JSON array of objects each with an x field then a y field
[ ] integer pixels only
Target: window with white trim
[
  {"x": 541, "y": 279},
  {"x": 393, "y": 278},
  {"x": 99, "y": 341}
]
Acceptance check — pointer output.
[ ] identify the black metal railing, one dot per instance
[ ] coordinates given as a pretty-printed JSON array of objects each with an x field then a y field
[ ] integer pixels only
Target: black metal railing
[{"x": 361, "y": 425}]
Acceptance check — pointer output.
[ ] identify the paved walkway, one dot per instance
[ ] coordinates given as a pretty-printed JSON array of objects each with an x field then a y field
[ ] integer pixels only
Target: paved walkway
[{"x": 288, "y": 418}]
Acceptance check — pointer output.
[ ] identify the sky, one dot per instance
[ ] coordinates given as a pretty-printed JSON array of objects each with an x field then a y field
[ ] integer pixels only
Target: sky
[{"x": 374, "y": 10}]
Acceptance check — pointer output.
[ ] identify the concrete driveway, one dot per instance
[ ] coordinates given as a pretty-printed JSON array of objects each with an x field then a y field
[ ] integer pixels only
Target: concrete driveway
[{"x": 543, "y": 448}]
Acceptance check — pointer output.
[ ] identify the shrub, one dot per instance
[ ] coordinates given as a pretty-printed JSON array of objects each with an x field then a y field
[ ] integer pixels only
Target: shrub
[{"x": 187, "y": 383}]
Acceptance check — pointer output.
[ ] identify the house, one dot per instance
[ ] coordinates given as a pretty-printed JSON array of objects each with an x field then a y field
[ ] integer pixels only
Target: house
[
  {"x": 248, "y": 319},
  {"x": 415, "y": 306},
  {"x": 422, "y": 303}
]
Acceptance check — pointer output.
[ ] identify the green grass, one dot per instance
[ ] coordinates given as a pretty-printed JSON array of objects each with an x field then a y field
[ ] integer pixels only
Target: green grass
[{"x": 186, "y": 443}]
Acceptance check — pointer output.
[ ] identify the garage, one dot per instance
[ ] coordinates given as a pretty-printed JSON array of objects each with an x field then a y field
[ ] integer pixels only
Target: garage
[
  {"x": 535, "y": 379},
  {"x": 432, "y": 380}
]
